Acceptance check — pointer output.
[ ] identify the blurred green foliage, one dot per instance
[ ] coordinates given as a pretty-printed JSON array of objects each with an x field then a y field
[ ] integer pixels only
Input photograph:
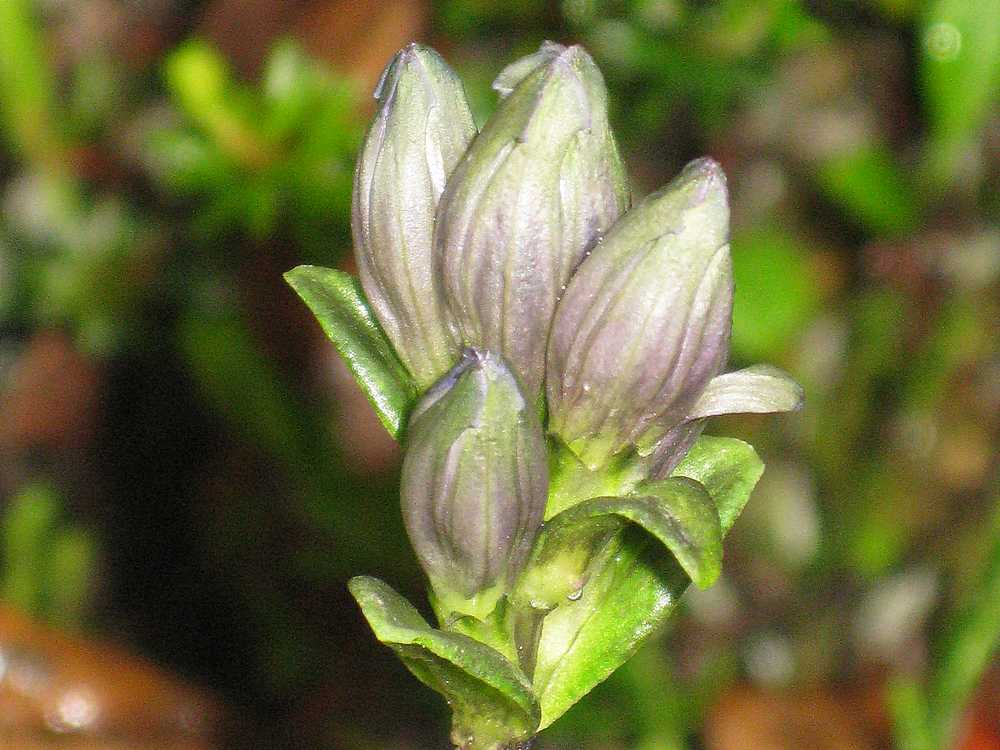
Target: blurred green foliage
[
  {"x": 47, "y": 568},
  {"x": 930, "y": 715},
  {"x": 254, "y": 159}
]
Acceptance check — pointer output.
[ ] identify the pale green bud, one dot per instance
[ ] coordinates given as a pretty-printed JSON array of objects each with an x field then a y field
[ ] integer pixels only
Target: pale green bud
[
  {"x": 645, "y": 322},
  {"x": 474, "y": 483},
  {"x": 536, "y": 189},
  {"x": 422, "y": 128}
]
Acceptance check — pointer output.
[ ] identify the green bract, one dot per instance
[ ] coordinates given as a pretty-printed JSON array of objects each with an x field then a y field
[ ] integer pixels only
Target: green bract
[{"x": 497, "y": 314}]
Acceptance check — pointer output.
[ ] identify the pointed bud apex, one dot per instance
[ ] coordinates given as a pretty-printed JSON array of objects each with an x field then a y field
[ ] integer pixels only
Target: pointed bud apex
[
  {"x": 645, "y": 322},
  {"x": 538, "y": 186},
  {"x": 422, "y": 128},
  {"x": 474, "y": 483}
]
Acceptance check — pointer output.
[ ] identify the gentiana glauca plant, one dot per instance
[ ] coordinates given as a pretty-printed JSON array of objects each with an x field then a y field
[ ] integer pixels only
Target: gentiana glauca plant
[{"x": 548, "y": 356}]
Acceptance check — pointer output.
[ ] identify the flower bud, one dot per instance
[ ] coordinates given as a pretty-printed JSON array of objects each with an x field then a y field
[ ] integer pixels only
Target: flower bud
[
  {"x": 474, "y": 483},
  {"x": 537, "y": 187},
  {"x": 422, "y": 128},
  {"x": 645, "y": 322}
]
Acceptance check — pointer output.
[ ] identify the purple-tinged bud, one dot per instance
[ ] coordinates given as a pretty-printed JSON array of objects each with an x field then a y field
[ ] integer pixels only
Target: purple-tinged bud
[
  {"x": 422, "y": 128},
  {"x": 474, "y": 483},
  {"x": 536, "y": 189},
  {"x": 645, "y": 322}
]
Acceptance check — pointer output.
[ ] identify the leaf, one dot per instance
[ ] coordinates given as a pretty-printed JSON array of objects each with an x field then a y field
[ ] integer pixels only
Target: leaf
[
  {"x": 911, "y": 722},
  {"x": 632, "y": 590},
  {"x": 26, "y": 530},
  {"x": 728, "y": 468},
  {"x": 967, "y": 645},
  {"x": 677, "y": 512},
  {"x": 681, "y": 514},
  {"x": 491, "y": 699},
  {"x": 337, "y": 301},
  {"x": 28, "y": 111},
  {"x": 239, "y": 382},
  {"x": 71, "y": 568},
  {"x": 633, "y": 586},
  {"x": 868, "y": 182}
]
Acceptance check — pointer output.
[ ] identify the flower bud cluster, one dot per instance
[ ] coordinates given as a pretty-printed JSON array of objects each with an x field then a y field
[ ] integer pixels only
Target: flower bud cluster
[{"x": 516, "y": 286}]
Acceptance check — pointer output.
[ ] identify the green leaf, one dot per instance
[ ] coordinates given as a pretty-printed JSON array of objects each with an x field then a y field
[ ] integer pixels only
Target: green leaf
[
  {"x": 240, "y": 383},
  {"x": 26, "y": 531},
  {"x": 71, "y": 567},
  {"x": 337, "y": 301},
  {"x": 868, "y": 182},
  {"x": 633, "y": 585},
  {"x": 491, "y": 698},
  {"x": 677, "y": 512},
  {"x": 28, "y": 112},
  {"x": 681, "y": 514},
  {"x": 728, "y": 468},
  {"x": 632, "y": 588},
  {"x": 911, "y": 722}
]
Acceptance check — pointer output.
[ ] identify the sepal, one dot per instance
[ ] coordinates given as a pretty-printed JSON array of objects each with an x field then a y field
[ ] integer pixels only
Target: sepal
[
  {"x": 761, "y": 389},
  {"x": 678, "y": 513}
]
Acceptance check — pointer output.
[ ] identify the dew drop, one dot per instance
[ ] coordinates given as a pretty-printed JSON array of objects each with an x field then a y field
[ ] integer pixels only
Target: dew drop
[{"x": 575, "y": 595}]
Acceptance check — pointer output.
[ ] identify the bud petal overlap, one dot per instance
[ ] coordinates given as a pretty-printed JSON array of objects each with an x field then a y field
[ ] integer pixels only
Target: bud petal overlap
[
  {"x": 422, "y": 128},
  {"x": 474, "y": 482},
  {"x": 645, "y": 322},
  {"x": 537, "y": 187}
]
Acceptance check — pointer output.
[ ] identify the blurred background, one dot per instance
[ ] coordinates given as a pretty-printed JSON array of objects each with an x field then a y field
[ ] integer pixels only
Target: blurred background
[{"x": 188, "y": 476}]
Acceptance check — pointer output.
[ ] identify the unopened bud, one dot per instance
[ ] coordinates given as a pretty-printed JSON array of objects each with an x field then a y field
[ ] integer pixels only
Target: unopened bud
[
  {"x": 474, "y": 483},
  {"x": 536, "y": 189},
  {"x": 645, "y": 322},
  {"x": 422, "y": 128}
]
